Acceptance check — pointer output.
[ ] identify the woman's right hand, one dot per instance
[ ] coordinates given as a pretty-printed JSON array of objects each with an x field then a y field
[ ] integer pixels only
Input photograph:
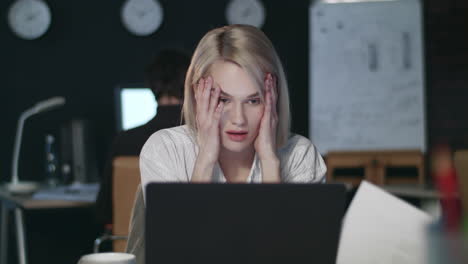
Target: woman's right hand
[{"x": 208, "y": 116}]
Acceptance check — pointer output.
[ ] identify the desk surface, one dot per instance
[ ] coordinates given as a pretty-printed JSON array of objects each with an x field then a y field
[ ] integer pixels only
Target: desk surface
[
  {"x": 407, "y": 190},
  {"x": 27, "y": 202},
  {"x": 414, "y": 191}
]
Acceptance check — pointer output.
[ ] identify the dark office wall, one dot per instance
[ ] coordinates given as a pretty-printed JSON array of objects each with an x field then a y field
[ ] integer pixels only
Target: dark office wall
[
  {"x": 87, "y": 52},
  {"x": 447, "y": 72}
]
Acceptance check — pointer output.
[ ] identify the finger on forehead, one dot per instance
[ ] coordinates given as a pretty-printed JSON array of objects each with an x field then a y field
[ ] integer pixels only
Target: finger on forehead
[
  {"x": 266, "y": 86},
  {"x": 199, "y": 86},
  {"x": 271, "y": 95},
  {"x": 270, "y": 86},
  {"x": 205, "y": 94},
  {"x": 272, "y": 79},
  {"x": 218, "y": 111},
  {"x": 214, "y": 99},
  {"x": 275, "y": 104},
  {"x": 273, "y": 88},
  {"x": 208, "y": 85},
  {"x": 274, "y": 93},
  {"x": 195, "y": 91},
  {"x": 268, "y": 102},
  {"x": 274, "y": 110},
  {"x": 207, "y": 89}
]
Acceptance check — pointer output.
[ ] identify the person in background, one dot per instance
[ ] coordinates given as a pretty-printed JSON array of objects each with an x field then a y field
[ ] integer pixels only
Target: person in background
[{"x": 165, "y": 76}]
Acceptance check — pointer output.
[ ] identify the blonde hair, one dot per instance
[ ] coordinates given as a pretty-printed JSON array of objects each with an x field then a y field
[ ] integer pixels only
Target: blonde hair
[{"x": 250, "y": 49}]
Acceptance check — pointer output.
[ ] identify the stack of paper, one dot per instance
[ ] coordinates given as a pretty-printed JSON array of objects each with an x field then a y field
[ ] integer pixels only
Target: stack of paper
[
  {"x": 75, "y": 192},
  {"x": 379, "y": 228}
]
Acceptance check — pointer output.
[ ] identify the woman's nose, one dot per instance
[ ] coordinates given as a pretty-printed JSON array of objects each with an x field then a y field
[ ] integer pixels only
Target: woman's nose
[{"x": 237, "y": 115}]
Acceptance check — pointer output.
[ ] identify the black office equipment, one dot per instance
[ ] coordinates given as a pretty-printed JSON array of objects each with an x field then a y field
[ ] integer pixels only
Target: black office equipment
[
  {"x": 78, "y": 152},
  {"x": 243, "y": 223}
]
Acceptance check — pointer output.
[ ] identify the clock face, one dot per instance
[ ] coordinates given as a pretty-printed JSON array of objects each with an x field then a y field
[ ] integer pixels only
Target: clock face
[
  {"x": 142, "y": 17},
  {"x": 29, "y": 19},
  {"x": 250, "y": 12}
]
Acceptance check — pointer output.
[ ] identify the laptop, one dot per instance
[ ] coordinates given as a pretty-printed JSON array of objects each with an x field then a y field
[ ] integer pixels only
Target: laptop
[{"x": 243, "y": 223}]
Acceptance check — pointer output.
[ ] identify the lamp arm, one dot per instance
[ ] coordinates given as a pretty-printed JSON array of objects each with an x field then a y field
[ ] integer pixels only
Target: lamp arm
[
  {"x": 16, "y": 149},
  {"x": 42, "y": 106}
]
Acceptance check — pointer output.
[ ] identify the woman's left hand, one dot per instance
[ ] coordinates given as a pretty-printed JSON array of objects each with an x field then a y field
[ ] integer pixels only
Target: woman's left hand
[{"x": 265, "y": 143}]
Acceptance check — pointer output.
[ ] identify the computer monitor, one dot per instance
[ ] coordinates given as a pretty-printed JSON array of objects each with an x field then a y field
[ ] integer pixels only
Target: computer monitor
[{"x": 135, "y": 105}]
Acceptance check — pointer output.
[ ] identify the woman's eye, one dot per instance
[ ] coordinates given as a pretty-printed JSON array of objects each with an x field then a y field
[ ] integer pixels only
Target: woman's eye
[
  {"x": 224, "y": 100},
  {"x": 254, "y": 101}
]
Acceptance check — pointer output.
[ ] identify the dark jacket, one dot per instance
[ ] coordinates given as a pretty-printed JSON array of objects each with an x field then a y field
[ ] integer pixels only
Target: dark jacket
[{"x": 130, "y": 143}]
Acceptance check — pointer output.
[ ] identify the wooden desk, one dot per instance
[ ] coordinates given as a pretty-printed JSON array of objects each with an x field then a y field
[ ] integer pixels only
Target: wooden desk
[
  {"x": 375, "y": 164},
  {"x": 18, "y": 204},
  {"x": 413, "y": 191}
]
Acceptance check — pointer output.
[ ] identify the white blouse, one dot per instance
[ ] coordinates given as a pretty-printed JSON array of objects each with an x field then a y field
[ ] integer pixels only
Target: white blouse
[{"x": 169, "y": 155}]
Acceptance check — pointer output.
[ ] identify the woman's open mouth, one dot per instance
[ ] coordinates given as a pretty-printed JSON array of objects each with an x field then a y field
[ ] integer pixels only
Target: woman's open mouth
[{"x": 237, "y": 135}]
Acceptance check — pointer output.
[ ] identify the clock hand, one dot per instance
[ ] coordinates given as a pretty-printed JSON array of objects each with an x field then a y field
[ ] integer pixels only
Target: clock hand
[
  {"x": 142, "y": 14},
  {"x": 30, "y": 18},
  {"x": 33, "y": 16}
]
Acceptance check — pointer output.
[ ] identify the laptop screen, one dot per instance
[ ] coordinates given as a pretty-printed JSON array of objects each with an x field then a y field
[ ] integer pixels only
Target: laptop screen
[
  {"x": 135, "y": 105},
  {"x": 243, "y": 223}
]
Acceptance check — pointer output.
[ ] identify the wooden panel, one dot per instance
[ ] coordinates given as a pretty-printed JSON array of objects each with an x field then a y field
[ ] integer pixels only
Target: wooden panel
[
  {"x": 126, "y": 178},
  {"x": 375, "y": 164}
]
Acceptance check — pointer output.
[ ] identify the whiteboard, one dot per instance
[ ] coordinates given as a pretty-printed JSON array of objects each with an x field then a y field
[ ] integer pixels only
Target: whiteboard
[{"x": 366, "y": 75}]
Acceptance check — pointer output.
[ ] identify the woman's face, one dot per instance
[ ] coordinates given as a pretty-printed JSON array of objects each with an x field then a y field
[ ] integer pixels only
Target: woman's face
[{"x": 243, "y": 106}]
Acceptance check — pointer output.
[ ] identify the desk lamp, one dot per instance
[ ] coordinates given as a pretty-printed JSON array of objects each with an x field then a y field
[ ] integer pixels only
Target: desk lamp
[{"x": 16, "y": 186}]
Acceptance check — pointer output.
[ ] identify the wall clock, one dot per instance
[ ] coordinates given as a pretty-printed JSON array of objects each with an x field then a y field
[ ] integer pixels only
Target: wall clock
[
  {"x": 250, "y": 12},
  {"x": 142, "y": 17},
  {"x": 29, "y": 19}
]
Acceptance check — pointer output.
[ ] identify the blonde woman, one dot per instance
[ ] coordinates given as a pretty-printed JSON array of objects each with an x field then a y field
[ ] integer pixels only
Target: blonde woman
[{"x": 236, "y": 108}]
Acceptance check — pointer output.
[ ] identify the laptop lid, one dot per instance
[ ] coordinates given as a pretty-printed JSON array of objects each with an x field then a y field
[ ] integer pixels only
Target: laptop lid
[{"x": 243, "y": 223}]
